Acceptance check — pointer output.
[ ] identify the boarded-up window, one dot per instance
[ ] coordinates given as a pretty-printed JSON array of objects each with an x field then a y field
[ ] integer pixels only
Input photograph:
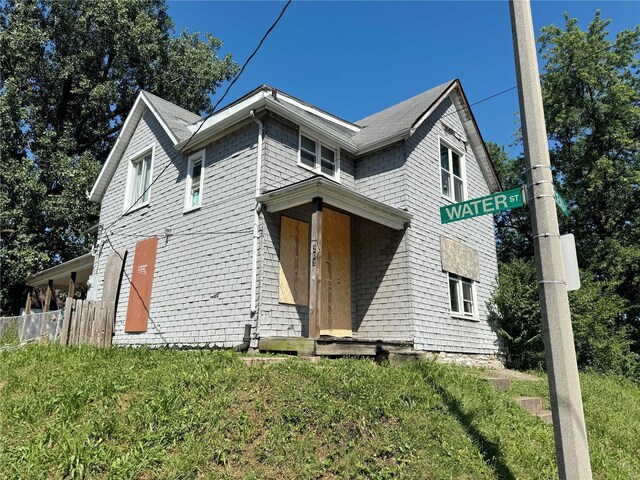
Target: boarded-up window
[
  {"x": 144, "y": 264},
  {"x": 294, "y": 262}
]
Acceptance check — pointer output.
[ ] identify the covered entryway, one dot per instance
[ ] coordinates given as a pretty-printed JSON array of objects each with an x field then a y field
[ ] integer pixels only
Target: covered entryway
[{"x": 317, "y": 254}]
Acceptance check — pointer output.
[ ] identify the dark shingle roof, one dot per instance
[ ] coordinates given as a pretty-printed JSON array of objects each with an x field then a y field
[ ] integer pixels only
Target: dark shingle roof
[
  {"x": 176, "y": 118},
  {"x": 398, "y": 118}
]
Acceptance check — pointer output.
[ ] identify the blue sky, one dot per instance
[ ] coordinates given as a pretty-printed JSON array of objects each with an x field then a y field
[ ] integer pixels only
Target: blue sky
[{"x": 356, "y": 58}]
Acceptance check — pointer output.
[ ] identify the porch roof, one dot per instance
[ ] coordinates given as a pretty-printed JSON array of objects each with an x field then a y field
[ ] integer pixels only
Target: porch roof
[
  {"x": 60, "y": 274},
  {"x": 338, "y": 196}
]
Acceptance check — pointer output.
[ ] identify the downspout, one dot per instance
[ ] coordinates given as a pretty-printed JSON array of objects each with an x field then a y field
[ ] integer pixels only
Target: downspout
[{"x": 256, "y": 217}]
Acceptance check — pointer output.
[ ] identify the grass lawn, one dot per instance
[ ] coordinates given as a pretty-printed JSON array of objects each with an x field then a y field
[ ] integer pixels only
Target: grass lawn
[{"x": 140, "y": 413}]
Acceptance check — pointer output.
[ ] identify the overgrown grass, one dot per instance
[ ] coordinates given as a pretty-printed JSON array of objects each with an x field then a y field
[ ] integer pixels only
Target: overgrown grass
[{"x": 139, "y": 413}]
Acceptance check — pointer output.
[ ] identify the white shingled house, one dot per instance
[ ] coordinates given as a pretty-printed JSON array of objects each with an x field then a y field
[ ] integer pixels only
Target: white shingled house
[{"x": 278, "y": 224}]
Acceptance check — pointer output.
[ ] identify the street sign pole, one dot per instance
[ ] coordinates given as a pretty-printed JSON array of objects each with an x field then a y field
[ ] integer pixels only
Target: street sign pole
[{"x": 572, "y": 451}]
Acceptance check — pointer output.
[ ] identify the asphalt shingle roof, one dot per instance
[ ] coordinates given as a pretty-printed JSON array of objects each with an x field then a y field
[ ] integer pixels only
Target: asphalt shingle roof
[
  {"x": 398, "y": 118},
  {"x": 175, "y": 117}
]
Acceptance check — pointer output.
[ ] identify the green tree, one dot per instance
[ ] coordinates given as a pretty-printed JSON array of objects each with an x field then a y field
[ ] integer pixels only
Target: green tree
[
  {"x": 601, "y": 343},
  {"x": 70, "y": 70},
  {"x": 591, "y": 91},
  {"x": 512, "y": 227}
]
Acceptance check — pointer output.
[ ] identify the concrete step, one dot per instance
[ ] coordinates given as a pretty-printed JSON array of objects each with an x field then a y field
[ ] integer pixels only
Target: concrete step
[
  {"x": 530, "y": 404},
  {"x": 255, "y": 361},
  {"x": 545, "y": 416},
  {"x": 499, "y": 383}
]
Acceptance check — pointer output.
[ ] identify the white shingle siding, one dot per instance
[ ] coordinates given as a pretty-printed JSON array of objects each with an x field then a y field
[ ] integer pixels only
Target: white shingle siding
[
  {"x": 280, "y": 163},
  {"x": 382, "y": 283},
  {"x": 435, "y": 329},
  {"x": 201, "y": 288}
]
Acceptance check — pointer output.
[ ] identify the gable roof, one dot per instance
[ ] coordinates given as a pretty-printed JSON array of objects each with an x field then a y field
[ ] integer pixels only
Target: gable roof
[
  {"x": 398, "y": 119},
  {"x": 173, "y": 119},
  {"x": 390, "y": 125}
]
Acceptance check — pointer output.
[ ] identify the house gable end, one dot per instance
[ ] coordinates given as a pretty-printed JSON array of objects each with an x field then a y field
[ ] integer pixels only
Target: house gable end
[{"x": 143, "y": 103}]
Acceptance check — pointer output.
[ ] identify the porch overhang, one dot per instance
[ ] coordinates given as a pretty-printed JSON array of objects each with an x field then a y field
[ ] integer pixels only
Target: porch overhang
[
  {"x": 60, "y": 274},
  {"x": 337, "y": 196}
]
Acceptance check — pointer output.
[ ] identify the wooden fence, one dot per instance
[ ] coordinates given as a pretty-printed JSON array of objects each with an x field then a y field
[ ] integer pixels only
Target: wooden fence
[{"x": 87, "y": 322}]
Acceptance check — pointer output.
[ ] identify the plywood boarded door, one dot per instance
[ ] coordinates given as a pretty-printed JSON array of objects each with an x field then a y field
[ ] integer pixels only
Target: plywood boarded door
[
  {"x": 144, "y": 264},
  {"x": 335, "y": 318},
  {"x": 294, "y": 262}
]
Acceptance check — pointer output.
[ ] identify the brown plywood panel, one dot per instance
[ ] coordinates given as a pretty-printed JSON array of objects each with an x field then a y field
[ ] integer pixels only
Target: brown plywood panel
[
  {"x": 335, "y": 318},
  {"x": 294, "y": 262},
  {"x": 144, "y": 263}
]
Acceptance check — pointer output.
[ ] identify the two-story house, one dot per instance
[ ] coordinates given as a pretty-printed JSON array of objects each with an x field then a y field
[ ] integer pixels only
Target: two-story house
[{"x": 276, "y": 214}]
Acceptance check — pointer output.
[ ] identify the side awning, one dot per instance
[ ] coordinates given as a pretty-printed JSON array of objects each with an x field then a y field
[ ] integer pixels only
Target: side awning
[
  {"x": 60, "y": 274},
  {"x": 337, "y": 196}
]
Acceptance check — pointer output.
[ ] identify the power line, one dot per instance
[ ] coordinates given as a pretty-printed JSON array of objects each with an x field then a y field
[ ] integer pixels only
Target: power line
[
  {"x": 242, "y": 69},
  {"x": 213, "y": 110}
]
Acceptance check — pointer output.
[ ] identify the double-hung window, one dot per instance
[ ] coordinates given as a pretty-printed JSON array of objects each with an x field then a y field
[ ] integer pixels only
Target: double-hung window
[
  {"x": 462, "y": 296},
  {"x": 451, "y": 173},
  {"x": 195, "y": 176},
  {"x": 318, "y": 157},
  {"x": 139, "y": 180}
]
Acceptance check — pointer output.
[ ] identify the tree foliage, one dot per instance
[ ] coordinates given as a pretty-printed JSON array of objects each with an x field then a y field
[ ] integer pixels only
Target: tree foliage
[
  {"x": 602, "y": 344},
  {"x": 591, "y": 94},
  {"x": 70, "y": 71},
  {"x": 591, "y": 91}
]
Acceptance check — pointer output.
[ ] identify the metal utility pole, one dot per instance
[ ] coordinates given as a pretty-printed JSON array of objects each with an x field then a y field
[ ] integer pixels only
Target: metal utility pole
[{"x": 572, "y": 451}]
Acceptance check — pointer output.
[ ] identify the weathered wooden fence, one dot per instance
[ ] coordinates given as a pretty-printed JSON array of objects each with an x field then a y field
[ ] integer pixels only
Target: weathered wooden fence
[{"x": 87, "y": 322}]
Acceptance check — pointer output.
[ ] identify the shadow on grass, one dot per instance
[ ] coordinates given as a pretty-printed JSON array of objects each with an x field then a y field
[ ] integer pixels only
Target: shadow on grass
[{"x": 490, "y": 452}]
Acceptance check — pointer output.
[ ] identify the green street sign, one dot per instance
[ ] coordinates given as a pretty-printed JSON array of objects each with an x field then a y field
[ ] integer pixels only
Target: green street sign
[
  {"x": 482, "y": 206},
  {"x": 562, "y": 203}
]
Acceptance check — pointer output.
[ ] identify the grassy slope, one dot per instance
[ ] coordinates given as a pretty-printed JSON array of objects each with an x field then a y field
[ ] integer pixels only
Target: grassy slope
[{"x": 131, "y": 413}]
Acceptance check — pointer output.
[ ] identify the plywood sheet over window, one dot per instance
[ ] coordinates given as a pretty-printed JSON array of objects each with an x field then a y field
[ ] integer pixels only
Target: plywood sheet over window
[
  {"x": 294, "y": 262},
  {"x": 335, "y": 319},
  {"x": 144, "y": 264}
]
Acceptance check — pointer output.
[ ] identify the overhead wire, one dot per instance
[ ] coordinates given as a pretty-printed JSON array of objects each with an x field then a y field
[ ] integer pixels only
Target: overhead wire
[
  {"x": 203, "y": 121},
  {"x": 242, "y": 69},
  {"x": 105, "y": 231}
]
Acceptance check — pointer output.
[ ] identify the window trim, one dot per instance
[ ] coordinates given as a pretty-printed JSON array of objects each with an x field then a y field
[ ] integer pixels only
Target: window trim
[
  {"x": 319, "y": 144},
  {"x": 199, "y": 155},
  {"x": 463, "y": 171},
  {"x": 131, "y": 161},
  {"x": 459, "y": 291}
]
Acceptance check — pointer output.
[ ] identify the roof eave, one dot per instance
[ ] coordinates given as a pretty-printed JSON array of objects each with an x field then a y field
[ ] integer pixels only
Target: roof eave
[
  {"x": 383, "y": 142},
  {"x": 77, "y": 264},
  {"x": 226, "y": 118},
  {"x": 339, "y": 141}
]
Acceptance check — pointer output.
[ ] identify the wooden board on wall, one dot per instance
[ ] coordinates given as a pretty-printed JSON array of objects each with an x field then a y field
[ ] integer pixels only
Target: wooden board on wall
[
  {"x": 335, "y": 318},
  {"x": 294, "y": 262},
  {"x": 138, "y": 308}
]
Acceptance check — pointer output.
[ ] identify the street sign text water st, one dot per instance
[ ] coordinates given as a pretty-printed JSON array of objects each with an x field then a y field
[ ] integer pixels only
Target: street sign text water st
[{"x": 482, "y": 206}]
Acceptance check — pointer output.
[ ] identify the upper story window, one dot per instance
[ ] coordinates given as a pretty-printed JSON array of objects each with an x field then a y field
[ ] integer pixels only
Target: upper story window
[
  {"x": 318, "y": 157},
  {"x": 195, "y": 176},
  {"x": 139, "y": 180},
  {"x": 462, "y": 296},
  {"x": 451, "y": 174}
]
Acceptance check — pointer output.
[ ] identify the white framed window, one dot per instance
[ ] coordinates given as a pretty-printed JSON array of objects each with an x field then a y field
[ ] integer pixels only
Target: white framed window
[
  {"x": 462, "y": 297},
  {"x": 195, "y": 181},
  {"x": 138, "y": 191},
  {"x": 452, "y": 185},
  {"x": 318, "y": 157}
]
